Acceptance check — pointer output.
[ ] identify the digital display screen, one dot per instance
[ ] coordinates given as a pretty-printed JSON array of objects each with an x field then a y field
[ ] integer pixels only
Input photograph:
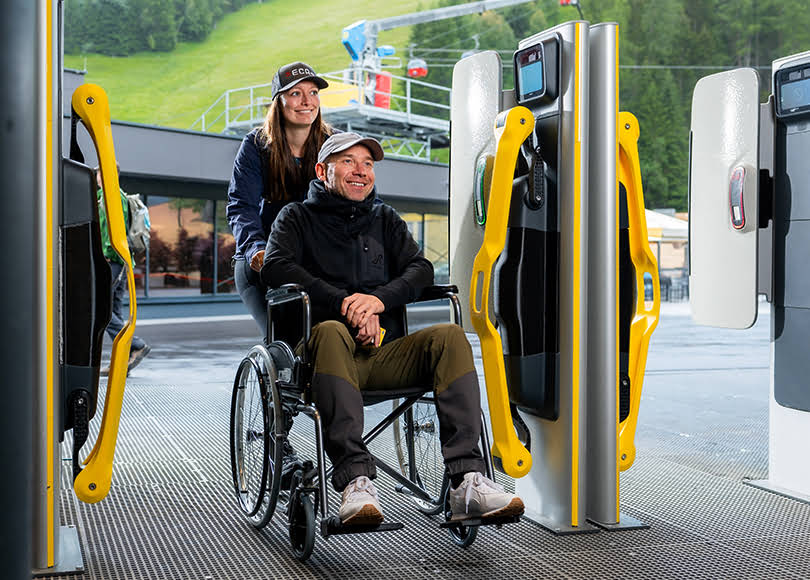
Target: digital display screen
[
  {"x": 795, "y": 95},
  {"x": 530, "y": 73},
  {"x": 531, "y": 78}
]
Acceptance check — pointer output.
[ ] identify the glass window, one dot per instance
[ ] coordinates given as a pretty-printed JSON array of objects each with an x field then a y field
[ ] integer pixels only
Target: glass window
[
  {"x": 181, "y": 246},
  {"x": 226, "y": 247},
  {"x": 430, "y": 232}
]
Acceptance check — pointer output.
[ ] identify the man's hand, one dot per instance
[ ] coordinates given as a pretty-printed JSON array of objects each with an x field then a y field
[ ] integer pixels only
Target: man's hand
[
  {"x": 358, "y": 308},
  {"x": 257, "y": 260},
  {"x": 369, "y": 333}
]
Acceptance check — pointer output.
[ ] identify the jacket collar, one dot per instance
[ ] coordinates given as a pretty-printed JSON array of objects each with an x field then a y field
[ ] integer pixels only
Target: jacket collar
[{"x": 320, "y": 199}]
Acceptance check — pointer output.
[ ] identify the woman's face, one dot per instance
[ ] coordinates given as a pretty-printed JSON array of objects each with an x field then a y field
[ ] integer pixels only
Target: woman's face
[{"x": 300, "y": 104}]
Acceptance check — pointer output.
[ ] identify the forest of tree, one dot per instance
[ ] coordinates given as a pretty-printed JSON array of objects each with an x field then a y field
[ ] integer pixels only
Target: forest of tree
[
  {"x": 665, "y": 46},
  {"x": 123, "y": 27}
]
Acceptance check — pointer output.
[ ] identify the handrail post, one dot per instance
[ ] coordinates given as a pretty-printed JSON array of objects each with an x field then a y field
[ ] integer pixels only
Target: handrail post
[
  {"x": 252, "y": 105},
  {"x": 408, "y": 98},
  {"x": 227, "y": 108}
]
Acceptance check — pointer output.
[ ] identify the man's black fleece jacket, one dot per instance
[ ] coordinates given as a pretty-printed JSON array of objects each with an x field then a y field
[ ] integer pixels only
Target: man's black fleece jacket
[{"x": 334, "y": 247}]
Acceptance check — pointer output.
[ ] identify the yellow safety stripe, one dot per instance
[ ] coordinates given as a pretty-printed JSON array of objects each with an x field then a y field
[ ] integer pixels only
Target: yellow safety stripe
[
  {"x": 93, "y": 483},
  {"x": 50, "y": 315},
  {"x": 644, "y": 319},
  {"x": 512, "y": 127},
  {"x": 575, "y": 302},
  {"x": 617, "y": 221}
]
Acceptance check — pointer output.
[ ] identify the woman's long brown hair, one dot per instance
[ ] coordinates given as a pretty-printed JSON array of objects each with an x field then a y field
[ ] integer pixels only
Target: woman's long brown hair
[{"x": 284, "y": 178}]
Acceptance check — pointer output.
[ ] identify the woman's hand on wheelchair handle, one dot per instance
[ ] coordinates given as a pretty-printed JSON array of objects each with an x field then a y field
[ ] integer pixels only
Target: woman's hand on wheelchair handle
[
  {"x": 358, "y": 308},
  {"x": 257, "y": 261}
]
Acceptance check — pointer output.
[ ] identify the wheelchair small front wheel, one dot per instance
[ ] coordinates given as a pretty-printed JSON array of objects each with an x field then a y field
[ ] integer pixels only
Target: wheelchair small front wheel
[
  {"x": 255, "y": 430},
  {"x": 461, "y": 535},
  {"x": 302, "y": 526}
]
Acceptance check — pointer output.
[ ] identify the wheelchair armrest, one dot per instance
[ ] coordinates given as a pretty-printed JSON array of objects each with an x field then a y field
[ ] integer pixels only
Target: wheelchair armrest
[
  {"x": 437, "y": 292},
  {"x": 285, "y": 293},
  {"x": 440, "y": 291}
]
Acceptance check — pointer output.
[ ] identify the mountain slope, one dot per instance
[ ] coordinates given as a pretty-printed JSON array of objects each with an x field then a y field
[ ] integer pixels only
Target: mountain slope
[{"x": 173, "y": 89}]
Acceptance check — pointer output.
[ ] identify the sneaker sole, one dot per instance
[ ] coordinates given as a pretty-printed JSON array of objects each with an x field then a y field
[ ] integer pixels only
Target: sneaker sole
[
  {"x": 368, "y": 515},
  {"x": 513, "y": 508}
]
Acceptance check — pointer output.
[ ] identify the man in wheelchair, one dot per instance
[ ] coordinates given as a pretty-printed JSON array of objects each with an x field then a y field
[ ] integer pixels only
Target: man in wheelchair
[{"x": 358, "y": 262}]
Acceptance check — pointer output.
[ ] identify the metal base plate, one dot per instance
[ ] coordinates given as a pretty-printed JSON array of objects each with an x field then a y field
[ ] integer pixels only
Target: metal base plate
[
  {"x": 70, "y": 555},
  {"x": 561, "y": 529},
  {"x": 625, "y": 523},
  {"x": 773, "y": 488}
]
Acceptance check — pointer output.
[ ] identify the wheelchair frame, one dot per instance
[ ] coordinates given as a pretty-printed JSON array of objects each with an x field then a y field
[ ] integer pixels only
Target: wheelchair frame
[{"x": 283, "y": 380}]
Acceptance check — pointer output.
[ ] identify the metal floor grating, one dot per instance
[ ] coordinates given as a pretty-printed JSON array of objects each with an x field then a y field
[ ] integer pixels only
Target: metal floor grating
[{"x": 171, "y": 513}]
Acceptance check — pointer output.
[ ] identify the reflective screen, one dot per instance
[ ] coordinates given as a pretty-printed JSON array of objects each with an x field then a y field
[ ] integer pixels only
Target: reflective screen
[
  {"x": 796, "y": 94},
  {"x": 531, "y": 78},
  {"x": 530, "y": 74}
]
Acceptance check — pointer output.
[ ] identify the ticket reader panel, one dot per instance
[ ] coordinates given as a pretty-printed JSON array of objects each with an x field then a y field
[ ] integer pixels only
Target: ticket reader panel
[
  {"x": 724, "y": 199},
  {"x": 86, "y": 293},
  {"x": 526, "y": 281},
  {"x": 791, "y": 229}
]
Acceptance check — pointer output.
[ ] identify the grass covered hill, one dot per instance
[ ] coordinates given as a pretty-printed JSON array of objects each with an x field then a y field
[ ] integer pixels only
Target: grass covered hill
[{"x": 173, "y": 88}]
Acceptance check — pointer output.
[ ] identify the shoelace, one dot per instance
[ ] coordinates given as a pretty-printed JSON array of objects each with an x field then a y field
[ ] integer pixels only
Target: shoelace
[
  {"x": 361, "y": 485},
  {"x": 484, "y": 485}
]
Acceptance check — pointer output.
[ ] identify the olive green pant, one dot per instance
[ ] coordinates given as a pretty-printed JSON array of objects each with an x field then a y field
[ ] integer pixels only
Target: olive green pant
[{"x": 438, "y": 358}]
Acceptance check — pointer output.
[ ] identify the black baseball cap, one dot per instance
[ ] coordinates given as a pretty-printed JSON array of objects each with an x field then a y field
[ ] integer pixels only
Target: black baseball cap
[
  {"x": 342, "y": 141},
  {"x": 291, "y": 74}
]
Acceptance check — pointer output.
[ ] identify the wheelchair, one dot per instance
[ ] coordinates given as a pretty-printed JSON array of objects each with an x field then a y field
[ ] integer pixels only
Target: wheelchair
[{"x": 271, "y": 388}]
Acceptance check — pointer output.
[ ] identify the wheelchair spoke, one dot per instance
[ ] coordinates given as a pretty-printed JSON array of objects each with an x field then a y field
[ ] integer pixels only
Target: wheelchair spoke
[{"x": 417, "y": 445}]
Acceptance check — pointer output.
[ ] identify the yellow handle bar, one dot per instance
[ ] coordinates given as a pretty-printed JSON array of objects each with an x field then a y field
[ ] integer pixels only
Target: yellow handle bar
[
  {"x": 645, "y": 319},
  {"x": 512, "y": 127},
  {"x": 93, "y": 482}
]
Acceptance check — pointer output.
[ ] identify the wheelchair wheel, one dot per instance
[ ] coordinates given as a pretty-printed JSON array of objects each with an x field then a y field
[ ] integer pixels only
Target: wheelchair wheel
[
  {"x": 416, "y": 442},
  {"x": 256, "y": 436},
  {"x": 302, "y": 526},
  {"x": 461, "y": 535}
]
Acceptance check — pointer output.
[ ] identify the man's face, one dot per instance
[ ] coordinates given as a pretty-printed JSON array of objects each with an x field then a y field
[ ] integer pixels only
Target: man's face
[
  {"x": 300, "y": 104},
  {"x": 349, "y": 173}
]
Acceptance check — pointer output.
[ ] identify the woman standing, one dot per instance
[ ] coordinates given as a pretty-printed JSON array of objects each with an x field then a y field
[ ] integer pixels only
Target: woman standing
[{"x": 273, "y": 167}]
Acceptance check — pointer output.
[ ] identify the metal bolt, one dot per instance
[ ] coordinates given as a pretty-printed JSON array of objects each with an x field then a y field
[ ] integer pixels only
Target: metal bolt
[
  {"x": 92, "y": 486},
  {"x": 520, "y": 462},
  {"x": 627, "y": 125},
  {"x": 522, "y": 121},
  {"x": 624, "y": 456},
  {"x": 90, "y": 100}
]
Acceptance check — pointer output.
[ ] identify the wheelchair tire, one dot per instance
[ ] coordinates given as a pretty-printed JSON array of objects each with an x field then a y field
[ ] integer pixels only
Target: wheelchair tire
[
  {"x": 461, "y": 535},
  {"x": 256, "y": 434},
  {"x": 416, "y": 442},
  {"x": 302, "y": 526}
]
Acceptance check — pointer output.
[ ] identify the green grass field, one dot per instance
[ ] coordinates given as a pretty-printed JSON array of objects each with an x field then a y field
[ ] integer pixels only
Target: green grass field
[{"x": 173, "y": 89}]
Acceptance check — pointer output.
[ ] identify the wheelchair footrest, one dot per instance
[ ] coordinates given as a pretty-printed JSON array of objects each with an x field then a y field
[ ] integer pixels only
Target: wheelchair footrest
[
  {"x": 333, "y": 526},
  {"x": 475, "y": 522}
]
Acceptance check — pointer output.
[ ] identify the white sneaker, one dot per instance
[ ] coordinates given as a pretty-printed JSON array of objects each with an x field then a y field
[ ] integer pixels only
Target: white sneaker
[
  {"x": 359, "y": 505},
  {"x": 480, "y": 497}
]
